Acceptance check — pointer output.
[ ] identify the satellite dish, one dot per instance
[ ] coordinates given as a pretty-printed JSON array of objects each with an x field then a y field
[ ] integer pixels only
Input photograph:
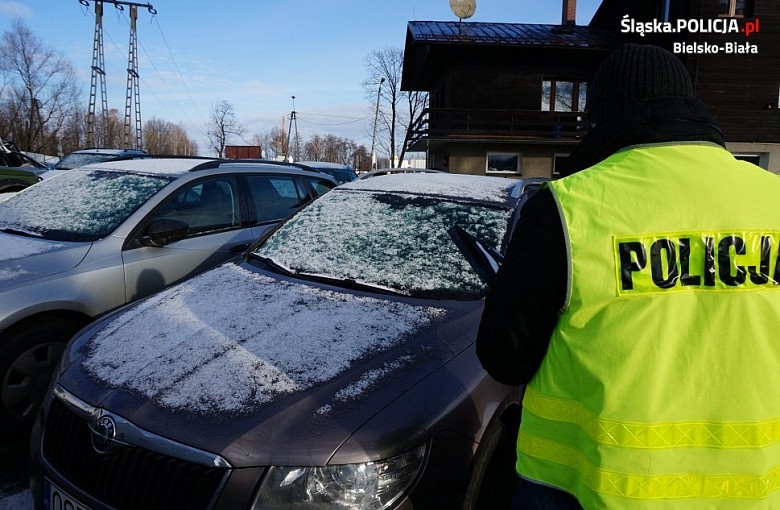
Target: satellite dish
[{"x": 463, "y": 9}]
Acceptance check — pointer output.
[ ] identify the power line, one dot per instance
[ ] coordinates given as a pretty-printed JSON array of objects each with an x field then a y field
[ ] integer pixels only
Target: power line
[
  {"x": 333, "y": 124},
  {"x": 184, "y": 82},
  {"x": 163, "y": 80},
  {"x": 335, "y": 116}
]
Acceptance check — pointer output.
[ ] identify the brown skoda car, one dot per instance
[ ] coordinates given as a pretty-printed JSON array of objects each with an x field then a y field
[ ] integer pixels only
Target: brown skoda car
[{"x": 332, "y": 367}]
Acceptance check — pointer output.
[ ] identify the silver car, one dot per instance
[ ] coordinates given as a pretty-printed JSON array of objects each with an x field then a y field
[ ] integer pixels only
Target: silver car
[{"x": 97, "y": 237}]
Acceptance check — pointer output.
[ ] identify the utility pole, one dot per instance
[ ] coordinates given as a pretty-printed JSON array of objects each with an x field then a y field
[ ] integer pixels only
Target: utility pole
[
  {"x": 293, "y": 118},
  {"x": 376, "y": 116}
]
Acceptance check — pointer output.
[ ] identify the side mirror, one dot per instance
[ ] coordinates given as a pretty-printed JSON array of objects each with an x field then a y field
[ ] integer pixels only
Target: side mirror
[
  {"x": 484, "y": 260},
  {"x": 164, "y": 231}
]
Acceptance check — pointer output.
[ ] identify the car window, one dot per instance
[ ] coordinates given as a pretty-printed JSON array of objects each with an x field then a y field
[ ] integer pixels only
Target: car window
[
  {"x": 80, "y": 205},
  {"x": 343, "y": 176},
  {"x": 205, "y": 206},
  {"x": 400, "y": 242},
  {"x": 321, "y": 186},
  {"x": 275, "y": 197}
]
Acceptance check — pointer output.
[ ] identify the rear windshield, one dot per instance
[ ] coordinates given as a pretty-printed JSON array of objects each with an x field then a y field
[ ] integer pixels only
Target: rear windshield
[
  {"x": 341, "y": 176},
  {"x": 76, "y": 160}
]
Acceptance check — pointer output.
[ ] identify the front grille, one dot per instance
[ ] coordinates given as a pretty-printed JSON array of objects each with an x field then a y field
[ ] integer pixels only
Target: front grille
[{"x": 131, "y": 477}]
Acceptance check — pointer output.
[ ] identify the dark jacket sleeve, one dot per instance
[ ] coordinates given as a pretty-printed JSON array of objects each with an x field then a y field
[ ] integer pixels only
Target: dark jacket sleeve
[{"x": 522, "y": 307}]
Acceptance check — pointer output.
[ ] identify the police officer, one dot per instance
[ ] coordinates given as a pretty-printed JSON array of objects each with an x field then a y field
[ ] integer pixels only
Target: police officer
[{"x": 640, "y": 301}]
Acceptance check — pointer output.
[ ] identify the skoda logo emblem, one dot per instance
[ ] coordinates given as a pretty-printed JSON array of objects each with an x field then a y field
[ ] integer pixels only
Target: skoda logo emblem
[{"x": 104, "y": 435}]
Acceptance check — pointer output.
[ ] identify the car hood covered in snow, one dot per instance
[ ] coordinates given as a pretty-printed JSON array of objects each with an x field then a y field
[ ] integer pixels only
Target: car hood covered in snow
[
  {"x": 263, "y": 369},
  {"x": 27, "y": 258}
]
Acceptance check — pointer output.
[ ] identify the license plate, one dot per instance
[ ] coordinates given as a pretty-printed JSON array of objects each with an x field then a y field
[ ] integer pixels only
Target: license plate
[{"x": 55, "y": 498}]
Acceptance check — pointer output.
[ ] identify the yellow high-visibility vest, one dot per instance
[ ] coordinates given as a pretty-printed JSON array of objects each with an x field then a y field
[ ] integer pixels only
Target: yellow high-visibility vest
[{"x": 661, "y": 385}]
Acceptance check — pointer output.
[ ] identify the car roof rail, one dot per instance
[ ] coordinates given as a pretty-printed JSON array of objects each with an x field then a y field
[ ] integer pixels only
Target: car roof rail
[{"x": 216, "y": 162}]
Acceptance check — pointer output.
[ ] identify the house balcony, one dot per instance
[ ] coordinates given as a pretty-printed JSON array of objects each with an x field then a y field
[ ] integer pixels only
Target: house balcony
[{"x": 442, "y": 125}]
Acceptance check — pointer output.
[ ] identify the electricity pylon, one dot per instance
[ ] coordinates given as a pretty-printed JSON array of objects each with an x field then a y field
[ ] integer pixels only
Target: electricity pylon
[
  {"x": 98, "y": 74},
  {"x": 132, "y": 124},
  {"x": 133, "y": 96}
]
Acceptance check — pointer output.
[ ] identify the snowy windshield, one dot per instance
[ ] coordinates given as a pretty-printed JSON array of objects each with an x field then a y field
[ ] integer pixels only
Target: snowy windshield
[
  {"x": 395, "y": 241},
  {"x": 80, "y": 205}
]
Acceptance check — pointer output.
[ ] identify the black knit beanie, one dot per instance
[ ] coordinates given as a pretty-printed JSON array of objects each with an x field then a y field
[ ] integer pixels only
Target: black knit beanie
[{"x": 634, "y": 73}]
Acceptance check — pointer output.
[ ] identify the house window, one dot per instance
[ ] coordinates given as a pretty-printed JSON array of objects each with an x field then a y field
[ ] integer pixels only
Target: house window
[
  {"x": 558, "y": 161},
  {"x": 503, "y": 163},
  {"x": 564, "y": 96},
  {"x": 735, "y": 8},
  {"x": 760, "y": 159}
]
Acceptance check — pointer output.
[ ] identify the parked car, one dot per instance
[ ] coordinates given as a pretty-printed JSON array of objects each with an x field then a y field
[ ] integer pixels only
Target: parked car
[
  {"x": 16, "y": 179},
  {"x": 393, "y": 171},
  {"x": 91, "y": 156},
  {"x": 342, "y": 173},
  {"x": 333, "y": 366},
  {"x": 12, "y": 157},
  {"x": 100, "y": 236}
]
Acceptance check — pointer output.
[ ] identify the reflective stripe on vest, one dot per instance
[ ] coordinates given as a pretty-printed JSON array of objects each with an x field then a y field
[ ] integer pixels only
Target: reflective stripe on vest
[
  {"x": 660, "y": 386},
  {"x": 656, "y": 487},
  {"x": 656, "y": 435}
]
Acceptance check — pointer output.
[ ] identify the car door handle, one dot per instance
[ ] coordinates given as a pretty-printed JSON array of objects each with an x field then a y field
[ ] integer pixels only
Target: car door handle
[{"x": 239, "y": 248}]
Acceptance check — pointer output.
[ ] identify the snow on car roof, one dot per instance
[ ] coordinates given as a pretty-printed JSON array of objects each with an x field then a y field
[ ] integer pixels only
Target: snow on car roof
[
  {"x": 457, "y": 186},
  {"x": 265, "y": 338},
  {"x": 324, "y": 164},
  {"x": 155, "y": 166}
]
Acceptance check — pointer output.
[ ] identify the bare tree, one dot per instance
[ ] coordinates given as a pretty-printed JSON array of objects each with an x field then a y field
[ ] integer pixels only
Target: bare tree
[
  {"x": 361, "y": 159},
  {"x": 397, "y": 109},
  {"x": 163, "y": 137},
  {"x": 40, "y": 89},
  {"x": 330, "y": 148},
  {"x": 113, "y": 129},
  {"x": 273, "y": 143},
  {"x": 314, "y": 149},
  {"x": 223, "y": 125}
]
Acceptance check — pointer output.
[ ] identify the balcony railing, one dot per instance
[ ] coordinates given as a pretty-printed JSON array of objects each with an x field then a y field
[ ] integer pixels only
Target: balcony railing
[{"x": 520, "y": 125}]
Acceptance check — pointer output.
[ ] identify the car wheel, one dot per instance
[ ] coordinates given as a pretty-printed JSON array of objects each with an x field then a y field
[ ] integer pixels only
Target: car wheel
[
  {"x": 493, "y": 478},
  {"x": 28, "y": 358}
]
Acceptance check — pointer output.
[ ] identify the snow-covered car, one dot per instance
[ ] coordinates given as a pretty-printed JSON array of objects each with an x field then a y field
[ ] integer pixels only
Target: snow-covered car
[
  {"x": 91, "y": 156},
  {"x": 333, "y": 367},
  {"x": 12, "y": 158},
  {"x": 342, "y": 173},
  {"x": 16, "y": 179},
  {"x": 393, "y": 171},
  {"x": 97, "y": 237}
]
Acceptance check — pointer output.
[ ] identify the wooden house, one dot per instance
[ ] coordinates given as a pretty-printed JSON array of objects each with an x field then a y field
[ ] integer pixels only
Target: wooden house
[{"x": 508, "y": 98}]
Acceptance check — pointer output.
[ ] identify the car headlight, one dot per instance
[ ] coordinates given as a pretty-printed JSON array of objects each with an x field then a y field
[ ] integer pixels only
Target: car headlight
[{"x": 366, "y": 486}]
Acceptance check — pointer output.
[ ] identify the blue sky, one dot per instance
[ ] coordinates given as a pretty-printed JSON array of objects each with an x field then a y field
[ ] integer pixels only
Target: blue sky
[{"x": 255, "y": 54}]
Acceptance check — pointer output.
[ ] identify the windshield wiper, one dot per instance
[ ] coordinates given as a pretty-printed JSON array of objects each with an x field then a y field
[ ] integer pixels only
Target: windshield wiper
[
  {"x": 347, "y": 283},
  {"x": 16, "y": 232},
  {"x": 350, "y": 283},
  {"x": 268, "y": 261}
]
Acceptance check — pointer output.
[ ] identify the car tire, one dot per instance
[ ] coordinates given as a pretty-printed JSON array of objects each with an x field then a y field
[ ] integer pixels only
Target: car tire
[
  {"x": 28, "y": 358},
  {"x": 493, "y": 479}
]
